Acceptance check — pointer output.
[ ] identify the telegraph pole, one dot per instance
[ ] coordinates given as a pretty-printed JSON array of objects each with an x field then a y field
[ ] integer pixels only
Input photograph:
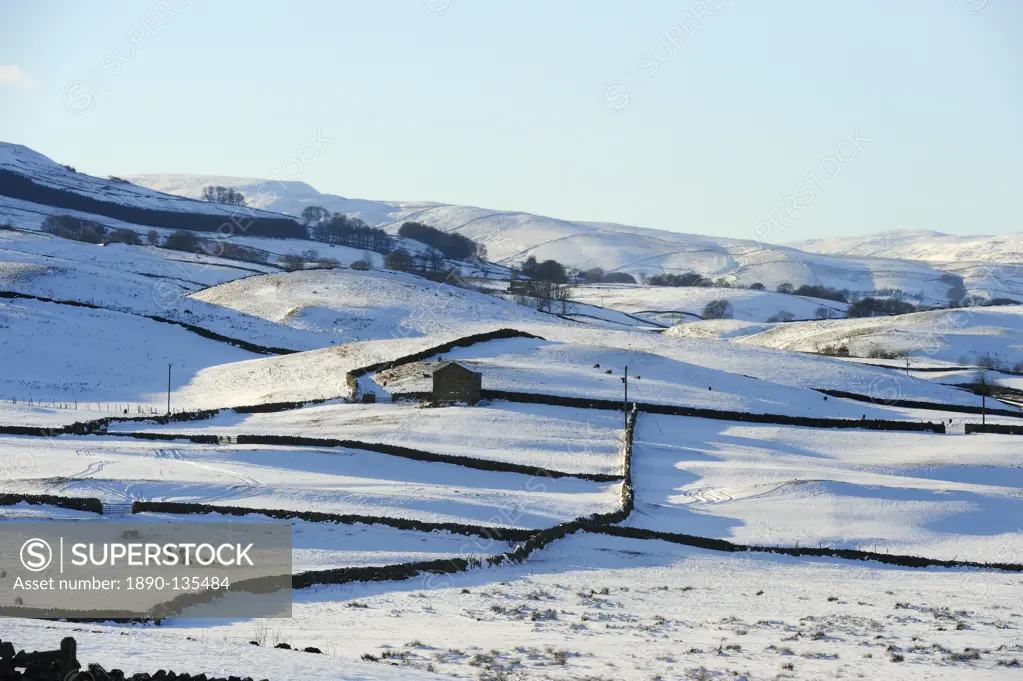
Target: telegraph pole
[
  {"x": 983, "y": 381},
  {"x": 169, "y": 365}
]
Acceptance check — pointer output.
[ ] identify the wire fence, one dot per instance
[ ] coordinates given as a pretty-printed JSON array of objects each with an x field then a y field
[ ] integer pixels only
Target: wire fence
[{"x": 122, "y": 408}]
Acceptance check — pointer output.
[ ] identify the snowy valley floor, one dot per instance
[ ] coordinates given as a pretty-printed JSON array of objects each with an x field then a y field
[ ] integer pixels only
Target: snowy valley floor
[
  {"x": 599, "y": 607},
  {"x": 590, "y": 606}
]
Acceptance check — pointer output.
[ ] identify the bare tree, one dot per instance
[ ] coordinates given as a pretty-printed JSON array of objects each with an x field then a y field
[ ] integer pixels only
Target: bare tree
[
  {"x": 542, "y": 294},
  {"x": 546, "y": 293},
  {"x": 225, "y": 195},
  {"x": 561, "y": 293}
]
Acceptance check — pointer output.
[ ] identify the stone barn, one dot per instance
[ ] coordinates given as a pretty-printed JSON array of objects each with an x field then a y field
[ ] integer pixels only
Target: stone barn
[{"x": 454, "y": 383}]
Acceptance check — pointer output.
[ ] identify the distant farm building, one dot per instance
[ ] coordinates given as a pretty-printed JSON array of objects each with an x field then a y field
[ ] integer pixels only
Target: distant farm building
[
  {"x": 519, "y": 287},
  {"x": 454, "y": 383}
]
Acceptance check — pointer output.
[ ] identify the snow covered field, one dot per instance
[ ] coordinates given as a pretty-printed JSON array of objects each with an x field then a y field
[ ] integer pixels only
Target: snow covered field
[
  {"x": 329, "y": 480},
  {"x": 570, "y": 369},
  {"x": 57, "y": 352},
  {"x": 348, "y": 305},
  {"x": 599, "y": 607},
  {"x": 315, "y": 546},
  {"x": 138, "y": 650},
  {"x": 47, "y": 416},
  {"x": 959, "y": 336},
  {"x": 939, "y": 496},
  {"x": 670, "y": 304},
  {"x": 556, "y": 438},
  {"x": 781, "y": 367},
  {"x": 190, "y": 270}
]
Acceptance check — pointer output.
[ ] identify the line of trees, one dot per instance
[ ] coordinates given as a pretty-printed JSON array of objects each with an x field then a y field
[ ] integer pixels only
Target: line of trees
[
  {"x": 21, "y": 187},
  {"x": 597, "y": 275},
  {"x": 190, "y": 242},
  {"x": 880, "y": 307},
  {"x": 344, "y": 230},
  {"x": 311, "y": 257},
  {"x": 815, "y": 291},
  {"x": 429, "y": 265},
  {"x": 421, "y": 263},
  {"x": 548, "y": 270},
  {"x": 88, "y": 231},
  {"x": 694, "y": 279},
  {"x": 453, "y": 246},
  {"x": 677, "y": 280},
  {"x": 226, "y": 195}
]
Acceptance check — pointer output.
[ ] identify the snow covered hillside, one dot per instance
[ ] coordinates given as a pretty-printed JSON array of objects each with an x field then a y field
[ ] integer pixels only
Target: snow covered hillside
[
  {"x": 289, "y": 197},
  {"x": 59, "y": 353},
  {"x": 573, "y": 440},
  {"x": 924, "y": 245},
  {"x": 579, "y": 370},
  {"x": 341, "y": 481},
  {"x": 960, "y": 336},
  {"x": 348, "y": 305},
  {"x": 512, "y": 236},
  {"x": 137, "y": 280},
  {"x": 669, "y": 304},
  {"x": 16, "y": 158},
  {"x": 908, "y": 493}
]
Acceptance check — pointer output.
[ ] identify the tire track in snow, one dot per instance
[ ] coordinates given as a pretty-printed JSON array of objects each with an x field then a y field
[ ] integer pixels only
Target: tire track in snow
[{"x": 176, "y": 456}]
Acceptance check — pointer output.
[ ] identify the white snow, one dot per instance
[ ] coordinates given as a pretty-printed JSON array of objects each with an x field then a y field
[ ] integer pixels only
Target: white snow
[
  {"x": 958, "y": 336},
  {"x": 924, "y": 245},
  {"x": 330, "y": 480},
  {"x": 557, "y": 438},
  {"x": 348, "y": 305},
  {"x": 670, "y": 305},
  {"x": 598, "y": 607},
  {"x": 657, "y": 375},
  {"x": 42, "y": 170},
  {"x": 940, "y": 496},
  {"x": 59, "y": 353}
]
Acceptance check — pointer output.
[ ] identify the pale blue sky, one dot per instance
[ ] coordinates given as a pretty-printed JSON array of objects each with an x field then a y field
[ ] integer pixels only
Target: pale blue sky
[{"x": 505, "y": 105}]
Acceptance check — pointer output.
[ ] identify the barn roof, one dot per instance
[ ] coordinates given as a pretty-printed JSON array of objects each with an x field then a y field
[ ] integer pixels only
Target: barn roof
[{"x": 453, "y": 366}]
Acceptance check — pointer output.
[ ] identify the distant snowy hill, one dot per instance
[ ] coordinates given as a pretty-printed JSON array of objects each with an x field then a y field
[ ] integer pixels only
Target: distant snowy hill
[
  {"x": 513, "y": 236},
  {"x": 922, "y": 245},
  {"x": 32, "y": 186},
  {"x": 287, "y": 197},
  {"x": 19, "y": 159}
]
